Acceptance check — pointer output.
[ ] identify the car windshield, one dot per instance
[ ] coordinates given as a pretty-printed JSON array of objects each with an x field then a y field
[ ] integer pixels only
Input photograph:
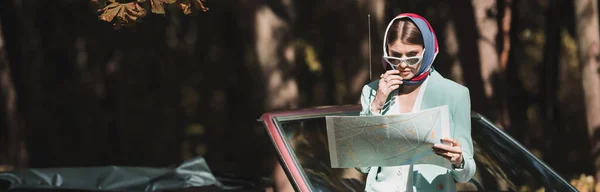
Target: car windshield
[{"x": 502, "y": 163}]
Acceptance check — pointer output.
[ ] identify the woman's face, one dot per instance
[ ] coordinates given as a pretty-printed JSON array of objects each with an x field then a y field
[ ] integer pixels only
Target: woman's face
[{"x": 401, "y": 50}]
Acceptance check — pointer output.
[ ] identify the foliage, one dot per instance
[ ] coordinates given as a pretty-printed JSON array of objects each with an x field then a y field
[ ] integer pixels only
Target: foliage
[
  {"x": 129, "y": 13},
  {"x": 6, "y": 168},
  {"x": 311, "y": 56},
  {"x": 583, "y": 182}
]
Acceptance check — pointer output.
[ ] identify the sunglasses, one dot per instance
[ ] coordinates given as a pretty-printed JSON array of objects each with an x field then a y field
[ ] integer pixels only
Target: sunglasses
[{"x": 395, "y": 61}]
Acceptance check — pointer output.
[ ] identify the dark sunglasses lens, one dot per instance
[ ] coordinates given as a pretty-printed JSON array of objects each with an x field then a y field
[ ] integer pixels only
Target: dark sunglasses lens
[
  {"x": 394, "y": 61},
  {"x": 412, "y": 61}
]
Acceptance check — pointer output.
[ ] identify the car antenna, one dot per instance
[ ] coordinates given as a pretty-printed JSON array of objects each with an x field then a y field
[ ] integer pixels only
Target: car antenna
[{"x": 370, "y": 72}]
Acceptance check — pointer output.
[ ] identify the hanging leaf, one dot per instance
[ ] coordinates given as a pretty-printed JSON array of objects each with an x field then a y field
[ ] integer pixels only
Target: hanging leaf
[
  {"x": 158, "y": 5},
  {"x": 133, "y": 12},
  {"x": 110, "y": 11},
  {"x": 199, "y": 4},
  {"x": 123, "y": 13},
  {"x": 127, "y": 13},
  {"x": 186, "y": 5}
]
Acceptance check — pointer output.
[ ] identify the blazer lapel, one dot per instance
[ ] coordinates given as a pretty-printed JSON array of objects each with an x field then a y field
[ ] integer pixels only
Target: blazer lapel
[{"x": 431, "y": 98}]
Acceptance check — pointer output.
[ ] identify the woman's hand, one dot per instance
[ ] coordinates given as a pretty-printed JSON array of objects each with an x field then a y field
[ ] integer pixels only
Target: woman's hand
[
  {"x": 451, "y": 151},
  {"x": 390, "y": 81}
]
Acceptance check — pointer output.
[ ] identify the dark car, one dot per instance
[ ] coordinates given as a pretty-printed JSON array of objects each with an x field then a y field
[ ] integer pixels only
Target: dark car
[{"x": 299, "y": 137}]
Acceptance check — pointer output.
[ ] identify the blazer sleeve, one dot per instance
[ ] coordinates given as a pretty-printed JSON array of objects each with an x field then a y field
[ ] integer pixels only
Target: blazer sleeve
[
  {"x": 462, "y": 133},
  {"x": 366, "y": 98},
  {"x": 365, "y": 101}
]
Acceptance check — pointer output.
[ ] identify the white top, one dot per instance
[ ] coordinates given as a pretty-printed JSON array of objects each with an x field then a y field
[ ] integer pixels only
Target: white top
[
  {"x": 395, "y": 106},
  {"x": 401, "y": 174}
]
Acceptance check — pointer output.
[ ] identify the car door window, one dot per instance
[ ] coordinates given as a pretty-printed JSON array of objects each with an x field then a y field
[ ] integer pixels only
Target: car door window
[
  {"x": 308, "y": 140},
  {"x": 503, "y": 165}
]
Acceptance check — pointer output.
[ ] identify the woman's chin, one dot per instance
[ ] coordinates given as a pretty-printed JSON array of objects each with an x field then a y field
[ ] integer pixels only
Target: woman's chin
[{"x": 407, "y": 76}]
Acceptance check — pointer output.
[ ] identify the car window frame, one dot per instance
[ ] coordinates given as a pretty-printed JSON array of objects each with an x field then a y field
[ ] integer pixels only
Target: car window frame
[
  {"x": 491, "y": 126},
  {"x": 284, "y": 150}
]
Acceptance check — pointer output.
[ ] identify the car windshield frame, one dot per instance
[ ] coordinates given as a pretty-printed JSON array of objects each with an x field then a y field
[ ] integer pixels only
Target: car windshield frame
[
  {"x": 515, "y": 143},
  {"x": 293, "y": 169}
]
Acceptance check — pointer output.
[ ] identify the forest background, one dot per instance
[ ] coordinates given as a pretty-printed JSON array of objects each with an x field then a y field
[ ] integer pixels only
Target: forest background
[{"x": 152, "y": 83}]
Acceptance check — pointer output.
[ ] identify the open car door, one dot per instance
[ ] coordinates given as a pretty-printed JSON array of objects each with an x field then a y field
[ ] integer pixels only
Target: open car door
[{"x": 300, "y": 139}]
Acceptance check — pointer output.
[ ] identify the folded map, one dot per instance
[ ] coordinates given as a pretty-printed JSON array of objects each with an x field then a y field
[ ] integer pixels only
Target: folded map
[{"x": 390, "y": 140}]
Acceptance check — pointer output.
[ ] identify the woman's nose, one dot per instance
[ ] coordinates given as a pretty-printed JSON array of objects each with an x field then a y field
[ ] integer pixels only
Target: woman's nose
[{"x": 403, "y": 64}]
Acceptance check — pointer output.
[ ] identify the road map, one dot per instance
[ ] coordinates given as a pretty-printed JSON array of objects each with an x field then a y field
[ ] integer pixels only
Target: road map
[{"x": 390, "y": 140}]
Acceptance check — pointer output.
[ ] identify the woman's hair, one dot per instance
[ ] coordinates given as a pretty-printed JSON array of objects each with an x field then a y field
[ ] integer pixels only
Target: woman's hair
[{"x": 405, "y": 31}]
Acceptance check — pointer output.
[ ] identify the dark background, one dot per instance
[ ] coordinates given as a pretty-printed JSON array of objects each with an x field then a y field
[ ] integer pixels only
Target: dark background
[{"x": 76, "y": 92}]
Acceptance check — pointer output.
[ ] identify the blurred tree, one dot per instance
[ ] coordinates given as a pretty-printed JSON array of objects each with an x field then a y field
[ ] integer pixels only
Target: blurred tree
[
  {"x": 487, "y": 28},
  {"x": 275, "y": 53},
  {"x": 463, "y": 15},
  {"x": 559, "y": 94},
  {"x": 588, "y": 39},
  {"x": 81, "y": 105},
  {"x": 522, "y": 72},
  {"x": 452, "y": 51},
  {"x": 12, "y": 154},
  {"x": 504, "y": 20}
]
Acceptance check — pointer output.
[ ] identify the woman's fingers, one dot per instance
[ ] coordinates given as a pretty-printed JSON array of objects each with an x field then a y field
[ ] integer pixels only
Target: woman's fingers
[
  {"x": 391, "y": 72},
  {"x": 394, "y": 82},
  {"x": 450, "y": 150},
  {"x": 443, "y": 154},
  {"x": 390, "y": 75},
  {"x": 390, "y": 81},
  {"x": 394, "y": 77},
  {"x": 454, "y": 158},
  {"x": 453, "y": 149},
  {"x": 453, "y": 142}
]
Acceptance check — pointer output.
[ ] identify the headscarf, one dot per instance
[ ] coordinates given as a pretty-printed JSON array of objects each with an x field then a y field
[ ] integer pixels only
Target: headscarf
[{"x": 430, "y": 45}]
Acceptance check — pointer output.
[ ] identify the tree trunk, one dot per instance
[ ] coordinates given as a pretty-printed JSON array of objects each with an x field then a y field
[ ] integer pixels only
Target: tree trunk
[
  {"x": 455, "y": 71},
  {"x": 10, "y": 134},
  {"x": 586, "y": 17},
  {"x": 500, "y": 85},
  {"x": 274, "y": 51},
  {"x": 492, "y": 26},
  {"x": 463, "y": 15},
  {"x": 549, "y": 86},
  {"x": 488, "y": 29}
]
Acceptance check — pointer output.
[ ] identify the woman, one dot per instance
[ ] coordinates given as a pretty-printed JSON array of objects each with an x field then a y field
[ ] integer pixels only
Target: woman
[{"x": 410, "y": 84}]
